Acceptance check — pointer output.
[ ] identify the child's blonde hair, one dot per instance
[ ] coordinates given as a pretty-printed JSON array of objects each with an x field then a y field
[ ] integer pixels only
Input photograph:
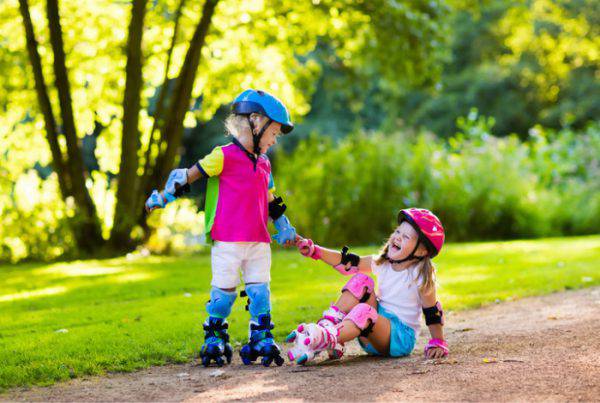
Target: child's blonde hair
[
  {"x": 237, "y": 125},
  {"x": 426, "y": 269}
]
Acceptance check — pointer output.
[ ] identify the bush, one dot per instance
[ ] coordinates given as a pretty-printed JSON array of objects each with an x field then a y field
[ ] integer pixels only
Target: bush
[{"x": 481, "y": 186}]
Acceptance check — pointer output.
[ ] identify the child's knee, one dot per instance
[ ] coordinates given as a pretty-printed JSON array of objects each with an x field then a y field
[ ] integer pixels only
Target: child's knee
[
  {"x": 361, "y": 286},
  {"x": 220, "y": 302},
  {"x": 259, "y": 298},
  {"x": 364, "y": 316}
]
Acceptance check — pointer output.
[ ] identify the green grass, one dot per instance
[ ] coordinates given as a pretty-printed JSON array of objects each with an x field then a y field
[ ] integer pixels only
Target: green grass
[{"x": 125, "y": 314}]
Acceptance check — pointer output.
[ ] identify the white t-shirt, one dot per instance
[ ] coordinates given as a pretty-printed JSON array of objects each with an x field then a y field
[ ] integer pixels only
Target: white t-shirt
[{"x": 398, "y": 292}]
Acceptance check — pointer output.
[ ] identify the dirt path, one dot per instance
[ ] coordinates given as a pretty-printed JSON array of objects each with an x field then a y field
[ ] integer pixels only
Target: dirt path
[{"x": 543, "y": 348}]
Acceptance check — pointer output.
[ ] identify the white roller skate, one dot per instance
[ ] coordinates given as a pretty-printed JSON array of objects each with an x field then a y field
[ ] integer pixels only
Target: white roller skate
[{"x": 309, "y": 341}]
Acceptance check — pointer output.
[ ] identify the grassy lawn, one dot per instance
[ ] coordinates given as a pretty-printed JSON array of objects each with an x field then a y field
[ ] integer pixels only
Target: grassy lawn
[{"x": 65, "y": 320}]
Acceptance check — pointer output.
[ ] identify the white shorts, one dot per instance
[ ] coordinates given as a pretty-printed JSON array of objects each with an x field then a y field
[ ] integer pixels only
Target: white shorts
[{"x": 227, "y": 258}]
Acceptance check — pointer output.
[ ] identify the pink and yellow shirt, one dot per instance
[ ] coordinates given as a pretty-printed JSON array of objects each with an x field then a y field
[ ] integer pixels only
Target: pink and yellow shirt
[{"x": 237, "y": 208}]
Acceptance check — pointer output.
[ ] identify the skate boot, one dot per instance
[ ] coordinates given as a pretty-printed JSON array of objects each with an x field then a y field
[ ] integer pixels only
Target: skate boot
[
  {"x": 309, "y": 341},
  {"x": 216, "y": 342},
  {"x": 261, "y": 343},
  {"x": 332, "y": 317}
]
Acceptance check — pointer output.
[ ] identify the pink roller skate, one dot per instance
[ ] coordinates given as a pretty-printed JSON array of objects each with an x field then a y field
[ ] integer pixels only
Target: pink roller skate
[
  {"x": 332, "y": 317},
  {"x": 309, "y": 340}
]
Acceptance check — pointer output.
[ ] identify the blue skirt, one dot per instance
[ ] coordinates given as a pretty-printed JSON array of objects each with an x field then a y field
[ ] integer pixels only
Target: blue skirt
[{"x": 402, "y": 337}]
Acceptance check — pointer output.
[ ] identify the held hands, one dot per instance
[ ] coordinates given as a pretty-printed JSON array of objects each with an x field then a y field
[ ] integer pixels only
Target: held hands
[
  {"x": 436, "y": 348},
  {"x": 347, "y": 266},
  {"x": 308, "y": 248}
]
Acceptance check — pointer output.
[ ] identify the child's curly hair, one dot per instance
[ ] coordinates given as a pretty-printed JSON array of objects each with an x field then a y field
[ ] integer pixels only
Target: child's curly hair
[
  {"x": 236, "y": 125},
  {"x": 426, "y": 269}
]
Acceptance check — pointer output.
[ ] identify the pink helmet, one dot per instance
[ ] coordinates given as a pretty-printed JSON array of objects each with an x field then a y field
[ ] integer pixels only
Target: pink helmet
[{"x": 427, "y": 225}]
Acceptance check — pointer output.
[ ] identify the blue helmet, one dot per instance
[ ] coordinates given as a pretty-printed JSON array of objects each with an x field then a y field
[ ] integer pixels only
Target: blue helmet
[{"x": 256, "y": 101}]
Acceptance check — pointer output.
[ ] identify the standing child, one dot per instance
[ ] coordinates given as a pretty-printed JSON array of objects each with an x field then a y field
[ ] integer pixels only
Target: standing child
[
  {"x": 385, "y": 323},
  {"x": 239, "y": 201}
]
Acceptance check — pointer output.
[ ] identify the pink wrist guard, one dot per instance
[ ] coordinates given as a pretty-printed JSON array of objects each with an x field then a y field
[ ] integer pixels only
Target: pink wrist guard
[
  {"x": 314, "y": 251},
  {"x": 437, "y": 343}
]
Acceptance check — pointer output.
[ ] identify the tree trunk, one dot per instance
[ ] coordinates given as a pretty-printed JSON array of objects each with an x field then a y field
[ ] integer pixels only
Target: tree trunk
[
  {"x": 156, "y": 137},
  {"x": 127, "y": 198},
  {"x": 58, "y": 163},
  {"x": 180, "y": 101},
  {"x": 87, "y": 231},
  {"x": 160, "y": 104}
]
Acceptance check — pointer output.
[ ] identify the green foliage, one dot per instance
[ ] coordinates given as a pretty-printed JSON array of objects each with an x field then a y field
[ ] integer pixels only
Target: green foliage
[
  {"x": 249, "y": 44},
  {"x": 481, "y": 186},
  {"x": 66, "y": 320},
  {"x": 523, "y": 63}
]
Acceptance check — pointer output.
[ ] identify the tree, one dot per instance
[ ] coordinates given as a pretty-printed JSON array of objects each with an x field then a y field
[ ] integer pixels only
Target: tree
[
  {"x": 105, "y": 88},
  {"x": 70, "y": 169}
]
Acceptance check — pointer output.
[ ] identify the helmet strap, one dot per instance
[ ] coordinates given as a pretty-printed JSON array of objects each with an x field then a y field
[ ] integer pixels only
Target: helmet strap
[
  {"x": 256, "y": 137},
  {"x": 409, "y": 257}
]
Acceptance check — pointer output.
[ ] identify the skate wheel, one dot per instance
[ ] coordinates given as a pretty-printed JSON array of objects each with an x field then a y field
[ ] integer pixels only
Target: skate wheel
[
  {"x": 266, "y": 361},
  {"x": 291, "y": 337},
  {"x": 302, "y": 360}
]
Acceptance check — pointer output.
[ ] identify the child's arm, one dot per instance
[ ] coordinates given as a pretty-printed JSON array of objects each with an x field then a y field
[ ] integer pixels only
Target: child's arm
[
  {"x": 180, "y": 179},
  {"x": 434, "y": 318},
  {"x": 344, "y": 262},
  {"x": 286, "y": 233}
]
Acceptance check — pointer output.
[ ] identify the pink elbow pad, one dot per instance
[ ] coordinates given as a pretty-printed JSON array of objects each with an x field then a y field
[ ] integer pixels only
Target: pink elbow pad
[{"x": 346, "y": 271}]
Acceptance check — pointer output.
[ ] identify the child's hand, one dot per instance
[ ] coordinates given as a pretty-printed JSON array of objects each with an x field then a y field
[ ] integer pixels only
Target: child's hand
[
  {"x": 435, "y": 352},
  {"x": 286, "y": 234},
  {"x": 300, "y": 244},
  {"x": 308, "y": 248},
  {"x": 156, "y": 200},
  {"x": 436, "y": 348}
]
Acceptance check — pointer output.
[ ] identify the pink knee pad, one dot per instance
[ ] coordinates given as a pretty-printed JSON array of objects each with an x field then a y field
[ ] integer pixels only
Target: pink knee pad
[
  {"x": 361, "y": 286},
  {"x": 361, "y": 314}
]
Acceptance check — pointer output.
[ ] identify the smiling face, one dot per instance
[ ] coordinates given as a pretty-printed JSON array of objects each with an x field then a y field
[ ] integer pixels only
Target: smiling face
[{"x": 402, "y": 242}]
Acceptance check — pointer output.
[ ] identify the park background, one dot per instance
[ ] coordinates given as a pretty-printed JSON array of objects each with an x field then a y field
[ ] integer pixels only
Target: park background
[{"x": 486, "y": 112}]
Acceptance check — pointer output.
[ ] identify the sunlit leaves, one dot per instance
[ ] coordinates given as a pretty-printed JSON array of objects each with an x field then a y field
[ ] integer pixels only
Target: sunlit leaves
[{"x": 557, "y": 40}]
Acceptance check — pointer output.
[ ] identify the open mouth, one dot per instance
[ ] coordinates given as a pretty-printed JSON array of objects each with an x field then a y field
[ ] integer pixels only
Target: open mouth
[{"x": 394, "y": 247}]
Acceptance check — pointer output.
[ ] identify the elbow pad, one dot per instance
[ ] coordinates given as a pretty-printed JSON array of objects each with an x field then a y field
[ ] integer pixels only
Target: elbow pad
[
  {"x": 351, "y": 258},
  {"x": 434, "y": 315}
]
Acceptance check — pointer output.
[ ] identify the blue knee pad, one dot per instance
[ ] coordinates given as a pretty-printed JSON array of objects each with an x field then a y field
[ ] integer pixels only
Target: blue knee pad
[
  {"x": 220, "y": 302},
  {"x": 259, "y": 299}
]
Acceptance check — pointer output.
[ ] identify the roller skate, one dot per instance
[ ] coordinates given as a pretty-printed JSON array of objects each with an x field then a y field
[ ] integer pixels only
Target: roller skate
[
  {"x": 261, "y": 343},
  {"x": 309, "y": 341},
  {"x": 216, "y": 342}
]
